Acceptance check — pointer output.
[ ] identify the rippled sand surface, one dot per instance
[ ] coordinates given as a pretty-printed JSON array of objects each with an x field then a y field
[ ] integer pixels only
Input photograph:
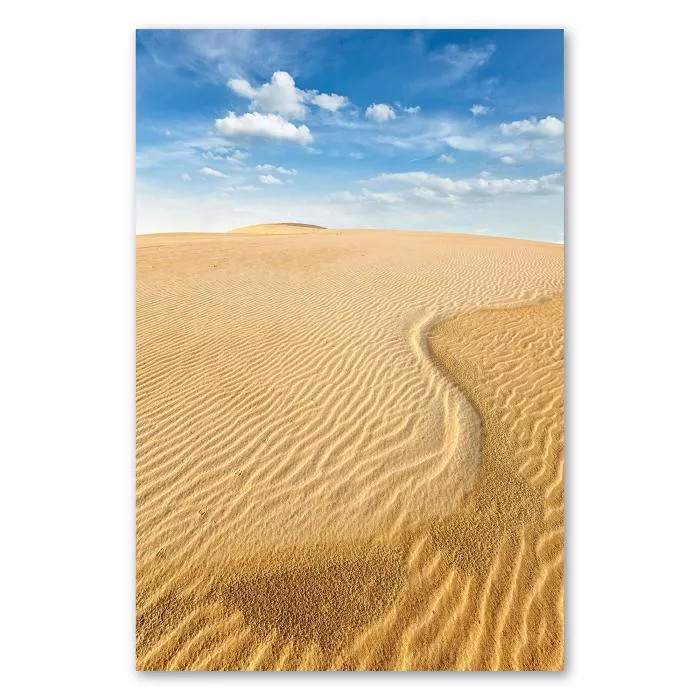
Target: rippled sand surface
[{"x": 349, "y": 451}]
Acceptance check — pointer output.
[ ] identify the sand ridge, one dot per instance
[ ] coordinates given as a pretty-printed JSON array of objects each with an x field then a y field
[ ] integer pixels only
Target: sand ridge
[{"x": 305, "y": 443}]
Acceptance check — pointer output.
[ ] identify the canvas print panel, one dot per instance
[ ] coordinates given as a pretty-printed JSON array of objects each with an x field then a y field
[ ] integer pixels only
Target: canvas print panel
[{"x": 349, "y": 327}]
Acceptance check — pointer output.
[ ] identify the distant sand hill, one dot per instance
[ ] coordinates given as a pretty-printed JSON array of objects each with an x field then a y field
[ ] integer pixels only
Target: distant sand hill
[
  {"x": 283, "y": 227},
  {"x": 349, "y": 451}
]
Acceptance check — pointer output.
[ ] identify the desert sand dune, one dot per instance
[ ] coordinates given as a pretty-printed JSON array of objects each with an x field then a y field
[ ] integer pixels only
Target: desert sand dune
[{"x": 349, "y": 451}]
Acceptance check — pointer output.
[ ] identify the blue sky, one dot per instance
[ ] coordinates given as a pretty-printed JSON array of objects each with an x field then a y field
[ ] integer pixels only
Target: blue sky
[{"x": 446, "y": 130}]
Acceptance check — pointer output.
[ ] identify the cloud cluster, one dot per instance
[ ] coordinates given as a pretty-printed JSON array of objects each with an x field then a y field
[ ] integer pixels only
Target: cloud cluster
[
  {"x": 517, "y": 141},
  {"x": 446, "y": 158},
  {"x": 547, "y": 184},
  {"x": 427, "y": 187},
  {"x": 272, "y": 106},
  {"x": 282, "y": 96},
  {"x": 262, "y": 126}
]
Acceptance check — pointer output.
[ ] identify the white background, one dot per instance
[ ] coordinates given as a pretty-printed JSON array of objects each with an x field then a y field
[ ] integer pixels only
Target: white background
[{"x": 67, "y": 347}]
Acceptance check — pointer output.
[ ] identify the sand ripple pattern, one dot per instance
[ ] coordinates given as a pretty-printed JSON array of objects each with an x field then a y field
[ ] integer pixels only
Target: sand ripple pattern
[{"x": 299, "y": 449}]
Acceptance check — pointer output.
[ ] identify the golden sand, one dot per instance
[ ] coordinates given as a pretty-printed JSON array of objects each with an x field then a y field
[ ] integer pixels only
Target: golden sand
[{"x": 349, "y": 451}]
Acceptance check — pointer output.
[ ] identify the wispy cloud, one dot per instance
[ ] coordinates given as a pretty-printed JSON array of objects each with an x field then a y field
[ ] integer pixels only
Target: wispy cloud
[
  {"x": 266, "y": 167},
  {"x": 211, "y": 172},
  {"x": 457, "y": 62},
  {"x": 270, "y": 180},
  {"x": 479, "y": 110}
]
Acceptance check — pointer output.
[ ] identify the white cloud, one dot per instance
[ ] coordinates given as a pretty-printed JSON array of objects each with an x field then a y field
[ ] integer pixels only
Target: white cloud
[
  {"x": 276, "y": 169},
  {"x": 186, "y": 177},
  {"x": 269, "y": 180},
  {"x": 357, "y": 156},
  {"x": 508, "y": 160},
  {"x": 331, "y": 103},
  {"x": 479, "y": 110},
  {"x": 262, "y": 126},
  {"x": 549, "y": 127},
  {"x": 282, "y": 96},
  {"x": 212, "y": 172},
  {"x": 238, "y": 155},
  {"x": 446, "y": 158},
  {"x": 380, "y": 113},
  {"x": 167, "y": 132}
]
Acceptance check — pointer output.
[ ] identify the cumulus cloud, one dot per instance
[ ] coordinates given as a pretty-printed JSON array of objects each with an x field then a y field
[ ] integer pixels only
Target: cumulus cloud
[
  {"x": 331, "y": 103},
  {"x": 212, "y": 172},
  {"x": 446, "y": 158},
  {"x": 548, "y": 127},
  {"x": 186, "y": 177},
  {"x": 276, "y": 169},
  {"x": 238, "y": 155},
  {"x": 282, "y": 96},
  {"x": 380, "y": 113},
  {"x": 262, "y": 126},
  {"x": 269, "y": 180},
  {"x": 479, "y": 110},
  {"x": 508, "y": 160}
]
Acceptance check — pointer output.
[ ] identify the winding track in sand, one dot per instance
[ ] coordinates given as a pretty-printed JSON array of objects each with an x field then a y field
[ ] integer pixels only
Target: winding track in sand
[{"x": 308, "y": 453}]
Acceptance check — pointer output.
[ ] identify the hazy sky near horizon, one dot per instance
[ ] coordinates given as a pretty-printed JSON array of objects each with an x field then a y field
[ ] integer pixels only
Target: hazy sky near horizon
[{"x": 445, "y": 130}]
